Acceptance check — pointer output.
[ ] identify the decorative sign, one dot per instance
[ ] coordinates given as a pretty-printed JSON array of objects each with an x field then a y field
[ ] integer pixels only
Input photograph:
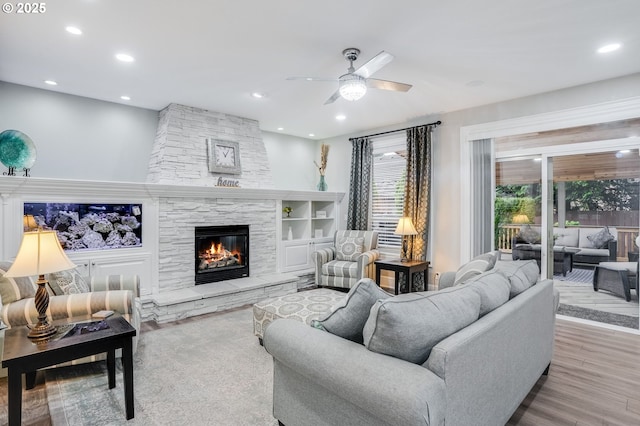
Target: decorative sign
[
  {"x": 223, "y": 157},
  {"x": 229, "y": 183}
]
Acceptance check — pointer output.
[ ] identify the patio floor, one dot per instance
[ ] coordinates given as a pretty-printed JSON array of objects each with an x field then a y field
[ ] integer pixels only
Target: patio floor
[{"x": 581, "y": 294}]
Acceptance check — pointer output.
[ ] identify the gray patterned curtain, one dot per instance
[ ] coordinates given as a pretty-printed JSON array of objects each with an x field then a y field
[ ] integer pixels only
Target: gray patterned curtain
[
  {"x": 360, "y": 184},
  {"x": 417, "y": 198}
]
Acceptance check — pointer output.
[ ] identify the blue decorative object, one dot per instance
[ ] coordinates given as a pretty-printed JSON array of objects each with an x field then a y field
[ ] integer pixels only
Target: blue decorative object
[
  {"x": 322, "y": 185},
  {"x": 17, "y": 150}
]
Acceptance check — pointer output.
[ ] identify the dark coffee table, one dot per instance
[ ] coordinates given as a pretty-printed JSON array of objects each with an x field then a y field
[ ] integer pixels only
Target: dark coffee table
[
  {"x": 23, "y": 356},
  {"x": 562, "y": 257}
]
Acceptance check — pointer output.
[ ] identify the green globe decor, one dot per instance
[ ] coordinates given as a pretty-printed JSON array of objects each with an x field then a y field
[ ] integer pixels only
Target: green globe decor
[{"x": 17, "y": 150}]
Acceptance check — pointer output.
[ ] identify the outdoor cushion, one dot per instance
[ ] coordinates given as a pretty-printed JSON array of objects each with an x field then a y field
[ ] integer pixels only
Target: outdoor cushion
[
  {"x": 585, "y": 233},
  {"x": 13, "y": 289},
  {"x": 601, "y": 238},
  {"x": 521, "y": 274},
  {"x": 492, "y": 287},
  {"x": 594, "y": 252},
  {"x": 566, "y": 236},
  {"x": 348, "y": 318},
  {"x": 528, "y": 234},
  {"x": 409, "y": 325}
]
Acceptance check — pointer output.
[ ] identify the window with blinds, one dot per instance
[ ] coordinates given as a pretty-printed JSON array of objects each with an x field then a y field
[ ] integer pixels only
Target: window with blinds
[{"x": 388, "y": 183}]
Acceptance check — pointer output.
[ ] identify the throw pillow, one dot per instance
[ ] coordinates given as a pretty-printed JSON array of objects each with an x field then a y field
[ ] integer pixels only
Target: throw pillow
[
  {"x": 409, "y": 325},
  {"x": 475, "y": 266},
  {"x": 601, "y": 238},
  {"x": 493, "y": 288},
  {"x": 521, "y": 274},
  {"x": 68, "y": 282},
  {"x": 529, "y": 235},
  {"x": 12, "y": 289},
  {"x": 349, "y": 248},
  {"x": 348, "y": 319}
]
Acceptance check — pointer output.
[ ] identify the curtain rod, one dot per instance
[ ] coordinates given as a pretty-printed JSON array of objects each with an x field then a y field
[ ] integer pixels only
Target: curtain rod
[{"x": 435, "y": 123}]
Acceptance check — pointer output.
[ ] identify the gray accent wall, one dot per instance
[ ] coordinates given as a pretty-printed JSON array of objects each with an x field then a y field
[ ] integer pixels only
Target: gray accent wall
[{"x": 80, "y": 138}]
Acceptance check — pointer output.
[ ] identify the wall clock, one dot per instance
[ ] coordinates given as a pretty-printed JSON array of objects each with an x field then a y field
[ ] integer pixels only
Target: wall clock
[{"x": 223, "y": 156}]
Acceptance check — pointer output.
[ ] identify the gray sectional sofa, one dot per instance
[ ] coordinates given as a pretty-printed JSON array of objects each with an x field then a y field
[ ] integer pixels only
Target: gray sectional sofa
[
  {"x": 465, "y": 355},
  {"x": 580, "y": 238}
]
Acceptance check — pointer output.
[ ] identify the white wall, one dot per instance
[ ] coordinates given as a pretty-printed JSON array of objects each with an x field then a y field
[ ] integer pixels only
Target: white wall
[
  {"x": 291, "y": 160},
  {"x": 80, "y": 138}
]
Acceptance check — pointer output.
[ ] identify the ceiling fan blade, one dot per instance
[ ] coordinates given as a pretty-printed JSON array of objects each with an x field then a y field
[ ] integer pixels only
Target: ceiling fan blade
[
  {"x": 374, "y": 64},
  {"x": 333, "y": 98},
  {"x": 312, "y": 79},
  {"x": 374, "y": 83}
]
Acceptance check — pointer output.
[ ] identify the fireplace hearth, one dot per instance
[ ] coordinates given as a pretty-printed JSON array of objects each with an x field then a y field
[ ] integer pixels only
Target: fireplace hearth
[{"x": 221, "y": 253}]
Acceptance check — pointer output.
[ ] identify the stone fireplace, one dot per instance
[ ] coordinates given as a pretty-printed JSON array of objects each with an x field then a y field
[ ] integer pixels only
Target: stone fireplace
[{"x": 221, "y": 253}]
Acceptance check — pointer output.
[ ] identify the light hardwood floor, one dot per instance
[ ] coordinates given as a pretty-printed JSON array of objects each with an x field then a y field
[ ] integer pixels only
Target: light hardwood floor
[{"x": 594, "y": 379}]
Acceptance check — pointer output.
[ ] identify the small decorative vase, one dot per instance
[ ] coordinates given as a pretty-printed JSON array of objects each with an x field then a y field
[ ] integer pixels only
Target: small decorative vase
[
  {"x": 322, "y": 185},
  {"x": 290, "y": 234}
]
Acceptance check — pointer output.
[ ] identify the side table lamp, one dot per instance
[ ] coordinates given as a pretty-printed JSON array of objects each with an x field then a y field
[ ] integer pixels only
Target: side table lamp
[
  {"x": 40, "y": 253},
  {"x": 405, "y": 227}
]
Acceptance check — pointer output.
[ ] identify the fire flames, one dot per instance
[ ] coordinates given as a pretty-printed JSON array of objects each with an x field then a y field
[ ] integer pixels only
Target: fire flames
[{"x": 218, "y": 256}]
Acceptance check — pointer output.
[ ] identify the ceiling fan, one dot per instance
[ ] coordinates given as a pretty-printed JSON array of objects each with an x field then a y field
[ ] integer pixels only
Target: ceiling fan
[{"x": 353, "y": 85}]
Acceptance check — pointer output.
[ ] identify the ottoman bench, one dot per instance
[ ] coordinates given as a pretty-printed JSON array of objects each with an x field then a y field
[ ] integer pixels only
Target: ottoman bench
[
  {"x": 303, "y": 306},
  {"x": 617, "y": 277}
]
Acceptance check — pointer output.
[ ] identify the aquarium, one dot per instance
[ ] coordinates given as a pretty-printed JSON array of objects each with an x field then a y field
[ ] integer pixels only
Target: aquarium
[{"x": 90, "y": 226}]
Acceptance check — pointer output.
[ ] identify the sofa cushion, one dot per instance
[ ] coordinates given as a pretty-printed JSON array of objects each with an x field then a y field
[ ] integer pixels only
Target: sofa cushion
[
  {"x": 601, "y": 239},
  {"x": 521, "y": 274},
  {"x": 604, "y": 253},
  {"x": 340, "y": 268},
  {"x": 529, "y": 235},
  {"x": 476, "y": 266},
  {"x": 67, "y": 282},
  {"x": 409, "y": 325},
  {"x": 349, "y": 248},
  {"x": 493, "y": 288},
  {"x": 567, "y": 237},
  {"x": 13, "y": 289},
  {"x": 348, "y": 319}
]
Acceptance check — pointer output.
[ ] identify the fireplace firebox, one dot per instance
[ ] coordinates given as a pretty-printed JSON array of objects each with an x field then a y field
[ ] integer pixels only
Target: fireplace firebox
[{"x": 221, "y": 253}]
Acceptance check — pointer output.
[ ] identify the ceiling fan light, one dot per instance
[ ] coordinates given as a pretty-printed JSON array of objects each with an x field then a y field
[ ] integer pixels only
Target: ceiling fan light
[{"x": 352, "y": 87}]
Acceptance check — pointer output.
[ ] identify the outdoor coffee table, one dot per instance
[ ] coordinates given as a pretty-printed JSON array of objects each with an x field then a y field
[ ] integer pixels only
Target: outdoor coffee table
[
  {"x": 562, "y": 257},
  {"x": 23, "y": 356}
]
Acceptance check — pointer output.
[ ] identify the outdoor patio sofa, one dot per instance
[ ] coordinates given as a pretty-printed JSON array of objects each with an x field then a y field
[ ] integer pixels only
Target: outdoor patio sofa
[{"x": 594, "y": 244}]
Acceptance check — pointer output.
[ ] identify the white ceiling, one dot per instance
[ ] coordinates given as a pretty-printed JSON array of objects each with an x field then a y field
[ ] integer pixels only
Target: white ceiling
[{"x": 213, "y": 54}]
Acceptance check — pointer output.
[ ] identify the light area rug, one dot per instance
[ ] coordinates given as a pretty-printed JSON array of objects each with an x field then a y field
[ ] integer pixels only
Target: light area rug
[{"x": 203, "y": 371}]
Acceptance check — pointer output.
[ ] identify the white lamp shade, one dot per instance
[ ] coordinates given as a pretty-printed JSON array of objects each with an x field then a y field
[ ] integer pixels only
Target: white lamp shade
[
  {"x": 405, "y": 227},
  {"x": 40, "y": 253}
]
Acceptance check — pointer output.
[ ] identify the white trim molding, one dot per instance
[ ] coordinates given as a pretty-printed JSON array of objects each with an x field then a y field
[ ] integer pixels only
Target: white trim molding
[{"x": 622, "y": 109}]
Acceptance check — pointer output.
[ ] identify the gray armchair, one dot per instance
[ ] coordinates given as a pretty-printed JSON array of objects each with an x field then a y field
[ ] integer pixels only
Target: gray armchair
[{"x": 350, "y": 259}]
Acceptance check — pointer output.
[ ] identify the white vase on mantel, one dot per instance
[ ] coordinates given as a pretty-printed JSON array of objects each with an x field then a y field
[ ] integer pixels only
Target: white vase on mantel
[{"x": 290, "y": 234}]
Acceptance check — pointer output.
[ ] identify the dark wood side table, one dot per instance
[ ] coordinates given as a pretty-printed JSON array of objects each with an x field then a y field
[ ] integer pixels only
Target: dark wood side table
[
  {"x": 408, "y": 268},
  {"x": 22, "y": 356}
]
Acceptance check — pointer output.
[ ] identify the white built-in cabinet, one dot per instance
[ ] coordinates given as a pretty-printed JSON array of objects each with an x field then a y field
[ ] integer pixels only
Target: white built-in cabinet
[
  {"x": 310, "y": 226},
  {"x": 113, "y": 262}
]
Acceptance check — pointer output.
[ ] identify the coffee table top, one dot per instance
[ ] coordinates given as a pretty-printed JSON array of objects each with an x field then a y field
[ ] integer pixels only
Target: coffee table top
[{"x": 17, "y": 345}]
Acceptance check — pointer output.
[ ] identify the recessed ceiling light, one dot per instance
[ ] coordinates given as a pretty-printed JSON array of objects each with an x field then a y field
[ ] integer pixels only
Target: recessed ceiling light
[
  {"x": 341, "y": 117},
  {"x": 124, "y": 57},
  {"x": 537, "y": 159},
  {"x": 125, "y": 98},
  {"x": 311, "y": 134},
  {"x": 257, "y": 95},
  {"x": 73, "y": 30},
  {"x": 280, "y": 128},
  {"x": 609, "y": 48},
  {"x": 51, "y": 82}
]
